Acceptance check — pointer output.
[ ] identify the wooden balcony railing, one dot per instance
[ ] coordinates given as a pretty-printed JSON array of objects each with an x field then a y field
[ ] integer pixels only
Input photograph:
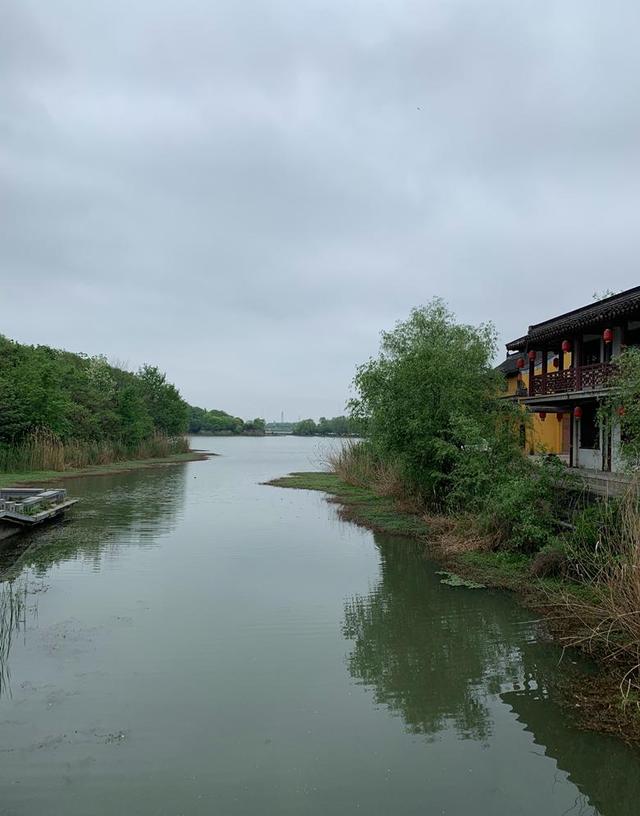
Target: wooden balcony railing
[{"x": 582, "y": 378}]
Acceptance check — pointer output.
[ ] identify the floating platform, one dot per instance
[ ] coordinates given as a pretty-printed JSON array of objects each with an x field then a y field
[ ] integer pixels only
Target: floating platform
[{"x": 23, "y": 508}]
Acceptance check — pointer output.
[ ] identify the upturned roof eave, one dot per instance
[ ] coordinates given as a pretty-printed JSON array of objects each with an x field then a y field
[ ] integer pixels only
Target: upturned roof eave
[{"x": 593, "y": 314}]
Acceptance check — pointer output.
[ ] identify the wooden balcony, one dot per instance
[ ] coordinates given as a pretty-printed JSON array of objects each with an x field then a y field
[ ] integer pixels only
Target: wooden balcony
[{"x": 581, "y": 378}]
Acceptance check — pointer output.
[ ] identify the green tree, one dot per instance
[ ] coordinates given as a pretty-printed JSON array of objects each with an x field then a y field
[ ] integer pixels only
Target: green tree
[
  {"x": 136, "y": 423},
  {"x": 623, "y": 405},
  {"x": 431, "y": 386},
  {"x": 165, "y": 405},
  {"x": 306, "y": 427}
]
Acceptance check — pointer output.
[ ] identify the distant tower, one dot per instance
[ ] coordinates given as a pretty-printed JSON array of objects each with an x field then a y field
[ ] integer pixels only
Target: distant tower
[{"x": 281, "y": 416}]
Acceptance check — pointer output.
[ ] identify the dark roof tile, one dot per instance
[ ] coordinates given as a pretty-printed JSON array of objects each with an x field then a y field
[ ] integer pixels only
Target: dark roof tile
[{"x": 594, "y": 314}]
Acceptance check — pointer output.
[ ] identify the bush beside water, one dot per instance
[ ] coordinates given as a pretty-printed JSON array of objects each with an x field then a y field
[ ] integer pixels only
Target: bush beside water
[{"x": 439, "y": 439}]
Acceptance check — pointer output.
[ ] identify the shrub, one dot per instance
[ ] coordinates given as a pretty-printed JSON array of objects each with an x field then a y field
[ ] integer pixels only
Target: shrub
[
  {"x": 623, "y": 405},
  {"x": 430, "y": 376},
  {"x": 517, "y": 514},
  {"x": 551, "y": 561}
]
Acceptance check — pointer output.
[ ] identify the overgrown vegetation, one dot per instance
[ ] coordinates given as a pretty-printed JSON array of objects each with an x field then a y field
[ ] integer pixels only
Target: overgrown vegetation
[
  {"x": 60, "y": 410},
  {"x": 437, "y": 433},
  {"x": 602, "y": 555},
  {"x": 623, "y": 405},
  {"x": 441, "y": 443}
]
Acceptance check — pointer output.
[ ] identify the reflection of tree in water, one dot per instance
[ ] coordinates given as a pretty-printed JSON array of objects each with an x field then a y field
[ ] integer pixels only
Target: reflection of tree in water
[
  {"x": 12, "y": 618},
  {"x": 432, "y": 654},
  {"x": 604, "y": 769},
  {"x": 116, "y": 511},
  {"x": 119, "y": 510}
]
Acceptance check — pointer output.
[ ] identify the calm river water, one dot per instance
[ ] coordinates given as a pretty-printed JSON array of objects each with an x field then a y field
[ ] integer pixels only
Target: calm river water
[{"x": 192, "y": 642}]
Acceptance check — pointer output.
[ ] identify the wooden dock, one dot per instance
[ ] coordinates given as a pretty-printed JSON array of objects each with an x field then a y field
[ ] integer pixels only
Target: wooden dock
[{"x": 23, "y": 508}]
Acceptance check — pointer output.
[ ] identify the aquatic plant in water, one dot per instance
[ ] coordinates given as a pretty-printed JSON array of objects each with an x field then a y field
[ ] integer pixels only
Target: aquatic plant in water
[
  {"x": 12, "y": 613},
  {"x": 451, "y": 579}
]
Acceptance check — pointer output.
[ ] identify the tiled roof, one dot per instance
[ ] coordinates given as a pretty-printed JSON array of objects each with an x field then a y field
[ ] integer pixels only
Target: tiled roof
[
  {"x": 594, "y": 314},
  {"x": 509, "y": 366}
]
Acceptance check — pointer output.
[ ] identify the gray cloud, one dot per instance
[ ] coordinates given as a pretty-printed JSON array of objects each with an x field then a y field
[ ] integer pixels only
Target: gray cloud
[{"x": 245, "y": 194}]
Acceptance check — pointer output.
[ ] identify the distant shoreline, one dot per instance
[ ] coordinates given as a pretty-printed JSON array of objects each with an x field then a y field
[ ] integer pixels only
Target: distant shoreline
[{"x": 226, "y": 433}]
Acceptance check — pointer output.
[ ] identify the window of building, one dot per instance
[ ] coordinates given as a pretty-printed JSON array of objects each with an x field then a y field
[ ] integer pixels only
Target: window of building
[
  {"x": 591, "y": 350},
  {"x": 631, "y": 334},
  {"x": 589, "y": 430}
]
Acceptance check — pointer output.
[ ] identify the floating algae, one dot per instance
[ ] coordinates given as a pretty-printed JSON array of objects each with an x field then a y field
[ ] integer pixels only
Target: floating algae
[{"x": 451, "y": 579}]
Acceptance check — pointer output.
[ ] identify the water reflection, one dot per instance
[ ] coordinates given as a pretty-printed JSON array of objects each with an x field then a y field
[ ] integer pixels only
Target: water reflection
[
  {"x": 597, "y": 766},
  {"x": 428, "y": 659},
  {"x": 445, "y": 659},
  {"x": 119, "y": 510},
  {"x": 115, "y": 511},
  {"x": 13, "y": 605}
]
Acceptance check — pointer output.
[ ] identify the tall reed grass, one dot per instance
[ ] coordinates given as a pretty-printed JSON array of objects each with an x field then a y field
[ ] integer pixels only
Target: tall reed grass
[
  {"x": 43, "y": 450},
  {"x": 609, "y": 610},
  {"x": 355, "y": 463}
]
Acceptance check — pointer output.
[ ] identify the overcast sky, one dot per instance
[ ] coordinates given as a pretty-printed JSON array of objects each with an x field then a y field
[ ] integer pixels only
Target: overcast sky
[{"x": 246, "y": 193}]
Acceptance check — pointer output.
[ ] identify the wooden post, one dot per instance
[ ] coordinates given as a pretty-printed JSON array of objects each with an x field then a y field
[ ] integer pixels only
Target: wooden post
[
  {"x": 561, "y": 360},
  {"x": 571, "y": 444},
  {"x": 532, "y": 371},
  {"x": 545, "y": 355}
]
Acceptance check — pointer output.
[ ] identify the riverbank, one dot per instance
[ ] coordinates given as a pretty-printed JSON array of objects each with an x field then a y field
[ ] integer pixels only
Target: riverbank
[
  {"x": 37, "y": 477},
  {"x": 596, "y": 705}
]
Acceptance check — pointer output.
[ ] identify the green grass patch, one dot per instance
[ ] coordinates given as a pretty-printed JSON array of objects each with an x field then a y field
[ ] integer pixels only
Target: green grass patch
[
  {"x": 509, "y": 570},
  {"x": 359, "y": 504},
  {"x": 504, "y": 569}
]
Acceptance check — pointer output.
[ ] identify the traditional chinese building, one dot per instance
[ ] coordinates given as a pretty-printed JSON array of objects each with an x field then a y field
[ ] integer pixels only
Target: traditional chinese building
[
  {"x": 540, "y": 436},
  {"x": 568, "y": 363}
]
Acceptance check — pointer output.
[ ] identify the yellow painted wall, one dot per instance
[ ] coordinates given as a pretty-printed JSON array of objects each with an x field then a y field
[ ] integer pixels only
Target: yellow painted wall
[
  {"x": 543, "y": 435},
  {"x": 546, "y": 436}
]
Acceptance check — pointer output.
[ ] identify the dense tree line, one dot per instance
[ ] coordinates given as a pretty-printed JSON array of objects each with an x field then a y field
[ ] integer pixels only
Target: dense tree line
[
  {"x": 337, "y": 426},
  {"x": 80, "y": 397},
  {"x": 219, "y": 422}
]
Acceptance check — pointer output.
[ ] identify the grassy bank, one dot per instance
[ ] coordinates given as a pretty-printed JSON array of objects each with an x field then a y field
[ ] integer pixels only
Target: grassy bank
[
  {"x": 454, "y": 543},
  {"x": 54, "y": 476},
  {"x": 387, "y": 515}
]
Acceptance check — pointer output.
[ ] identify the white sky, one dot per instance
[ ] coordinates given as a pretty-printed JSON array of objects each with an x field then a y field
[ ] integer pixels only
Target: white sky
[{"x": 245, "y": 194}]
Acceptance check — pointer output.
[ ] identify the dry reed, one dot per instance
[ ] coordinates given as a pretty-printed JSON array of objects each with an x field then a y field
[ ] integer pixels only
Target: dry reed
[
  {"x": 43, "y": 450},
  {"x": 607, "y": 614}
]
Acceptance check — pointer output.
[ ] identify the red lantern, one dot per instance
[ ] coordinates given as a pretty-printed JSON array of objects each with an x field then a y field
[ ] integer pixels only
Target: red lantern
[
  {"x": 566, "y": 345},
  {"x": 542, "y": 415},
  {"x": 607, "y": 335},
  {"x": 621, "y": 410},
  {"x": 532, "y": 355},
  {"x": 556, "y": 362},
  {"x": 577, "y": 412},
  {"x": 520, "y": 362},
  {"x": 559, "y": 416}
]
